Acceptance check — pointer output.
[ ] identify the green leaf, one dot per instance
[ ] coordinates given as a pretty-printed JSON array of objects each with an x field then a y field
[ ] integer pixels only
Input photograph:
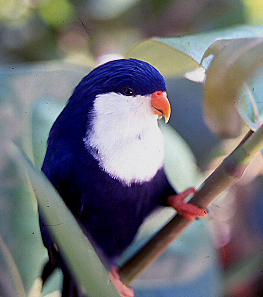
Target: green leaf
[
  {"x": 177, "y": 55},
  {"x": 19, "y": 227},
  {"x": 234, "y": 62},
  {"x": 169, "y": 60},
  {"x": 250, "y": 103},
  {"x": 15, "y": 279},
  {"x": 26, "y": 115},
  {"x": 44, "y": 115},
  {"x": 50, "y": 81},
  {"x": 179, "y": 161},
  {"x": 72, "y": 243},
  {"x": 182, "y": 172}
]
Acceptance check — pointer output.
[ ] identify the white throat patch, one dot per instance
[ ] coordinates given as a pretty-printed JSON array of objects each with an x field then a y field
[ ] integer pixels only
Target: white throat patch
[{"x": 125, "y": 137}]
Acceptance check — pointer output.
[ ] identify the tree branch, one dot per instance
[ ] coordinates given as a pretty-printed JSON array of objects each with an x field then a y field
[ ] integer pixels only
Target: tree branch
[{"x": 227, "y": 173}]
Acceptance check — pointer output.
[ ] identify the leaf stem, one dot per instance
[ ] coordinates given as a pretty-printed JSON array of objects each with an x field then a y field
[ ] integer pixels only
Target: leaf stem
[{"x": 228, "y": 172}]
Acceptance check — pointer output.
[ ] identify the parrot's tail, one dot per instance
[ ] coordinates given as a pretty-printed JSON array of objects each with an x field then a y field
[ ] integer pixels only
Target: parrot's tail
[{"x": 69, "y": 288}]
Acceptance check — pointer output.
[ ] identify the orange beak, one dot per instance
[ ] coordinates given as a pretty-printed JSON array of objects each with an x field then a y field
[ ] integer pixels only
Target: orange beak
[{"x": 160, "y": 105}]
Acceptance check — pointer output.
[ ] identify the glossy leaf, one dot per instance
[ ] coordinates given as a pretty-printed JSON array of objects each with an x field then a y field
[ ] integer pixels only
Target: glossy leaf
[
  {"x": 21, "y": 247},
  {"x": 26, "y": 93},
  {"x": 169, "y": 60},
  {"x": 177, "y": 55},
  {"x": 44, "y": 114},
  {"x": 188, "y": 269},
  {"x": 233, "y": 63},
  {"x": 72, "y": 243},
  {"x": 250, "y": 103},
  {"x": 182, "y": 172},
  {"x": 44, "y": 81},
  {"x": 10, "y": 283}
]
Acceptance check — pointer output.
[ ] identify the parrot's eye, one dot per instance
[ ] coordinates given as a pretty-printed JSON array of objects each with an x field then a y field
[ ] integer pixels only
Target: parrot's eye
[{"x": 127, "y": 92}]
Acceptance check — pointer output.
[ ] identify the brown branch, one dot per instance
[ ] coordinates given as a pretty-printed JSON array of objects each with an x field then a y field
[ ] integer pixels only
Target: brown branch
[{"x": 224, "y": 176}]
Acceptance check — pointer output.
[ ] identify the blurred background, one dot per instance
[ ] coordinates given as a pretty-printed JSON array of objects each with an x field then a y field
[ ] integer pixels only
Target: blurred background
[{"x": 46, "y": 46}]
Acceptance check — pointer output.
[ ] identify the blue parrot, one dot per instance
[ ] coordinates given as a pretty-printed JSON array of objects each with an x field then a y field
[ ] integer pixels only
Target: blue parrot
[{"x": 105, "y": 158}]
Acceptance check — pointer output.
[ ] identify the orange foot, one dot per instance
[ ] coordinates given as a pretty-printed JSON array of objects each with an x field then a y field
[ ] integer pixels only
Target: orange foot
[
  {"x": 187, "y": 210},
  {"x": 122, "y": 289}
]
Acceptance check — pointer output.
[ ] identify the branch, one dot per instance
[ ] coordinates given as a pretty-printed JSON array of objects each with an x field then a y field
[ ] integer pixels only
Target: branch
[{"x": 227, "y": 173}]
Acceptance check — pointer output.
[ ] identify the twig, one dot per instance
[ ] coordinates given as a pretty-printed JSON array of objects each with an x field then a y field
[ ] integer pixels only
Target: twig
[{"x": 228, "y": 172}]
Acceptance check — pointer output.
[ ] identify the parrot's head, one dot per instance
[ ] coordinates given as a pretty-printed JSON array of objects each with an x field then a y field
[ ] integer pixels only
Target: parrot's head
[
  {"x": 126, "y": 88},
  {"x": 121, "y": 102}
]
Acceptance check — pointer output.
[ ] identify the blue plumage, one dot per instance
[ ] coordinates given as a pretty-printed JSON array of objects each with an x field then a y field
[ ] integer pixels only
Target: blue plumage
[
  {"x": 118, "y": 74},
  {"x": 109, "y": 210}
]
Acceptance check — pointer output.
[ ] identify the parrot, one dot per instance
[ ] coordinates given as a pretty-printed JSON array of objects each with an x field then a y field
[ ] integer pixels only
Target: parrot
[{"x": 105, "y": 158}]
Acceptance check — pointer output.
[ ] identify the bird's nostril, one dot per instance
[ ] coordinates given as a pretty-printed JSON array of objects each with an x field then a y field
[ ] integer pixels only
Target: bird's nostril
[{"x": 157, "y": 94}]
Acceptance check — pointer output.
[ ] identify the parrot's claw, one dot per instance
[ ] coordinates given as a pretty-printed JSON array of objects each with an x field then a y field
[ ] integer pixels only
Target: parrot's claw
[
  {"x": 122, "y": 289},
  {"x": 187, "y": 210}
]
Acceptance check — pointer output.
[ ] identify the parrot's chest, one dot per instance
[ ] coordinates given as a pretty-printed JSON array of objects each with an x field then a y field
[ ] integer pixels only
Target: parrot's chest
[
  {"x": 113, "y": 220},
  {"x": 130, "y": 159},
  {"x": 124, "y": 137}
]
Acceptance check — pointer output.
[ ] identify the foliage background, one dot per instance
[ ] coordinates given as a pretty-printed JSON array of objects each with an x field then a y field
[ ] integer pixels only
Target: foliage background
[{"x": 65, "y": 39}]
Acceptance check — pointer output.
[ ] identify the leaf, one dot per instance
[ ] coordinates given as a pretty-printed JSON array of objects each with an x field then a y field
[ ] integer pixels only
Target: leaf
[
  {"x": 182, "y": 172},
  {"x": 44, "y": 114},
  {"x": 14, "y": 273},
  {"x": 177, "y": 55},
  {"x": 22, "y": 119},
  {"x": 166, "y": 58},
  {"x": 234, "y": 62},
  {"x": 250, "y": 103},
  {"x": 19, "y": 227},
  {"x": 53, "y": 81},
  {"x": 179, "y": 161},
  {"x": 72, "y": 243}
]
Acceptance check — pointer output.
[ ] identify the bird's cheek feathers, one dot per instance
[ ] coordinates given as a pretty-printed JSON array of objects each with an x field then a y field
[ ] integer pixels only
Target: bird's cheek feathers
[{"x": 124, "y": 107}]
